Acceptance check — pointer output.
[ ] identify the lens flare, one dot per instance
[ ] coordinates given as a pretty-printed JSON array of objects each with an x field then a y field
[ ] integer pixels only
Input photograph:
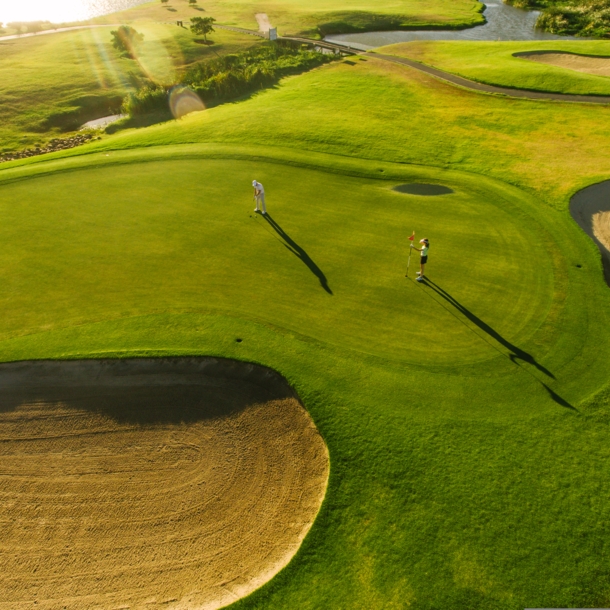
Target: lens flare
[{"x": 183, "y": 101}]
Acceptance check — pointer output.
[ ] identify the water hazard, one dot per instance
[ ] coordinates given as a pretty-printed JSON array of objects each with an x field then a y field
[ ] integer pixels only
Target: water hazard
[{"x": 504, "y": 22}]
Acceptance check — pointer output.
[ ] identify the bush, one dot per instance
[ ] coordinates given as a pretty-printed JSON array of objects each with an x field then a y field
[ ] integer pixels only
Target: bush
[
  {"x": 236, "y": 75},
  {"x": 229, "y": 77},
  {"x": 148, "y": 100},
  {"x": 590, "y": 18},
  {"x": 126, "y": 39}
]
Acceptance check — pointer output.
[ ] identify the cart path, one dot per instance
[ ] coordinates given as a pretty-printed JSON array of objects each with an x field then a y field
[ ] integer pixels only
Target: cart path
[{"x": 480, "y": 87}]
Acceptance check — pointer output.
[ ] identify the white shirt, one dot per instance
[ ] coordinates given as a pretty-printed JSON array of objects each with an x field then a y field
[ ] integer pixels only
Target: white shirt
[{"x": 259, "y": 187}]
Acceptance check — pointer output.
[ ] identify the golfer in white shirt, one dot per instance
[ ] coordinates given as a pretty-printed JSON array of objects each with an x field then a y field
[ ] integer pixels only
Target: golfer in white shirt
[{"x": 259, "y": 196}]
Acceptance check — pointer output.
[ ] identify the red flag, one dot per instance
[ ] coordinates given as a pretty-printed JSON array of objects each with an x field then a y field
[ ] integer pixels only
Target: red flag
[{"x": 412, "y": 236}]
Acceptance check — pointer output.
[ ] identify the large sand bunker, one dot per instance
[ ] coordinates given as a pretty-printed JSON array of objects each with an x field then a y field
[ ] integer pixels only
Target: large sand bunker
[
  {"x": 599, "y": 66},
  {"x": 173, "y": 483}
]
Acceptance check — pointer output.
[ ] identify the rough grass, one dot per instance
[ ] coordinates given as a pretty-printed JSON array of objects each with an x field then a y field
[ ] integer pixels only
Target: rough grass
[
  {"x": 466, "y": 470},
  {"x": 494, "y": 63},
  {"x": 57, "y": 82},
  {"x": 318, "y": 17}
]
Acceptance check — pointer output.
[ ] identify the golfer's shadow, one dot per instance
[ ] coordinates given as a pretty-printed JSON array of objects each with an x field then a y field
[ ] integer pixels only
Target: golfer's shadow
[
  {"x": 516, "y": 352},
  {"x": 291, "y": 245}
]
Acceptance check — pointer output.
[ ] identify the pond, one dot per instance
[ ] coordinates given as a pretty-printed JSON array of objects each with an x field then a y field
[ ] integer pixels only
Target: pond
[{"x": 504, "y": 22}]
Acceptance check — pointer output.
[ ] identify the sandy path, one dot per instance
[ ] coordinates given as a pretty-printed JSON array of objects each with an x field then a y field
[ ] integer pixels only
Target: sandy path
[
  {"x": 599, "y": 66},
  {"x": 174, "y": 484},
  {"x": 601, "y": 227},
  {"x": 264, "y": 24}
]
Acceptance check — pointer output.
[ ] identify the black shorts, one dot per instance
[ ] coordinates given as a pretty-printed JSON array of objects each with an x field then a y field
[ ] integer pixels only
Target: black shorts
[{"x": 424, "y": 260}]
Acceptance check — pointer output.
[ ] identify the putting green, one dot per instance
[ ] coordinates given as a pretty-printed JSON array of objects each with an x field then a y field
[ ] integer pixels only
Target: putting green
[{"x": 181, "y": 235}]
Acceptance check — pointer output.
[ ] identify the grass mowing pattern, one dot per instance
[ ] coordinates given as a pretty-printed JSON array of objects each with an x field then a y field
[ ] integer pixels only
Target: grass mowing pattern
[
  {"x": 462, "y": 485},
  {"x": 494, "y": 63}
]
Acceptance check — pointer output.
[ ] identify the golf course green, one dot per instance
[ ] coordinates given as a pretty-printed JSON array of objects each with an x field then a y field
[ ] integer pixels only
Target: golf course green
[{"x": 466, "y": 416}]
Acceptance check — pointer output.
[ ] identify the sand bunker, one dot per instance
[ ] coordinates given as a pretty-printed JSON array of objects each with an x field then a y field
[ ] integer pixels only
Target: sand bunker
[
  {"x": 174, "y": 484},
  {"x": 599, "y": 66},
  {"x": 429, "y": 190},
  {"x": 601, "y": 227}
]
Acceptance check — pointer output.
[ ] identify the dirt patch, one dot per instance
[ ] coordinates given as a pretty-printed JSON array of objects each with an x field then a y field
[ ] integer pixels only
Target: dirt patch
[
  {"x": 599, "y": 66},
  {"x": 264, "y": 25},
  {"x": 174, "y": 483},
  {"x": 428, "y": 190},
  {"x": 601, "y": 227}
]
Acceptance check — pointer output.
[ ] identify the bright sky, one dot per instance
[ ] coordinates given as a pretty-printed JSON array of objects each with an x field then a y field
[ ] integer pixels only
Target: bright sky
[{"x": 59, "y": 11}]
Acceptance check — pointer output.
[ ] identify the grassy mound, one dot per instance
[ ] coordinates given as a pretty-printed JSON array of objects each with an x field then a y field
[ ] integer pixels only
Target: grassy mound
[{"x": 495, "y": 63}]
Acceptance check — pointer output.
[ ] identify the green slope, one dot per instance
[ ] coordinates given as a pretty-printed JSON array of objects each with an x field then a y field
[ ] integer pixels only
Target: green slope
[{"x": 495, "y": 63}]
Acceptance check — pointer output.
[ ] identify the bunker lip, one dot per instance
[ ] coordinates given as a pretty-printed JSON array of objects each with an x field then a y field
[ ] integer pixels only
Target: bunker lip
[
  {"x": 597, "y": 65},
  {"x": 588, "y": 205},
  {"x": 139, "y": 481}
]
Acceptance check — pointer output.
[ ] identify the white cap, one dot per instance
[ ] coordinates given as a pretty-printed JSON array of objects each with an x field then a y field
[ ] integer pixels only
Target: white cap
[
  {"x": 254, "y": 182},
  {"x": 423, "y": 241}
]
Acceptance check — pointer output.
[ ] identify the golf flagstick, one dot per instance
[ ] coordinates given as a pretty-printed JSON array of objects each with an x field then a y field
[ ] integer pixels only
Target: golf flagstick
[{"x": 410, "y": 249}]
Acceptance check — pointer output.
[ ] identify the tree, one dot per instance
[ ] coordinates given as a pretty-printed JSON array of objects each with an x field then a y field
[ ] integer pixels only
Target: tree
[
  {"x": 164, "y": 1},
  {"x": 192, "y": 1},
  {"x": 126, "y": 39},
  {"x": 203, "y": 26}
]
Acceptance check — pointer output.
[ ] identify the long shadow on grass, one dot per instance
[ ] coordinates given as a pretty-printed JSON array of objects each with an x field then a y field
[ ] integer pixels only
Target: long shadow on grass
[
  {"x": 516, "y": 353},
  {"x": 291, "y": 245}
]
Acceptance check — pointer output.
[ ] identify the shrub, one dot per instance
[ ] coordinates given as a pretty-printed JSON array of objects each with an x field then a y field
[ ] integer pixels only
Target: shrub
[
  {"x": 148, "y": 100},
  {"x": 126, "y": 39},
  {"x": 235, "y": 75},
  {"x": 589, "y": 18}
]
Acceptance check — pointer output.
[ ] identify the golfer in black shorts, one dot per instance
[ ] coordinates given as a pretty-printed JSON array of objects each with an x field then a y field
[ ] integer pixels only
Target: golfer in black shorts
[{"x": 424, "y": 257}]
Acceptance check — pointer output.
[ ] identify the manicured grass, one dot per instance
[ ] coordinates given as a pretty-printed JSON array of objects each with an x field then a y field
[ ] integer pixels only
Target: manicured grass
[
  {"x": 378, "y": 110},
  {"x": 55, "y": 83},
  {"x": 466, "y": 469},
  {"x": 494, "y": 63},
  {"x": 318, "y": 16}
]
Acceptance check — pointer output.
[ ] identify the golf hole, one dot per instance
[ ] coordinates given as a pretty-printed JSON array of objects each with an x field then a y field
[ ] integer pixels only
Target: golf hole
[
  {"x": 420, "y": 188},
  {"x": 125, "y": 481},
  {"x": 238, "y": 340}
]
